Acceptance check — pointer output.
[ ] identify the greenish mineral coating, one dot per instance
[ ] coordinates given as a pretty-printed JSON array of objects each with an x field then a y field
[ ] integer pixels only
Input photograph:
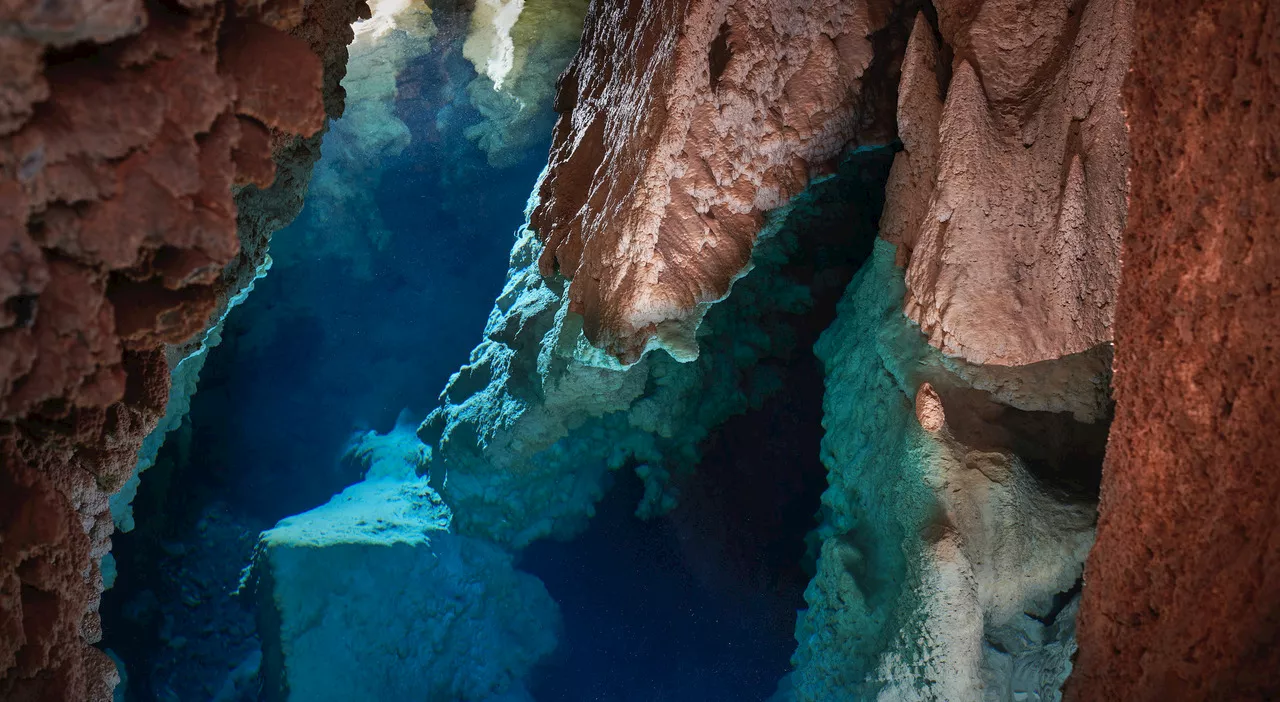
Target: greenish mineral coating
[
  {"x": 528, "y": 430},
  {"x": 938, "y": 564}
]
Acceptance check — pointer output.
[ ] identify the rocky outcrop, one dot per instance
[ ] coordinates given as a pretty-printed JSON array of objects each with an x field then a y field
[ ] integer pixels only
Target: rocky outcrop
[
  {"x": 371, "y": 597},
  {"x": 529, "y": 429},
  {"x": 954, "y": 528},
  {"x": 124, "y": 130},
  {"x": 1008, "y": 199},
  {"x": 963, "y": 452},
  {"x": 1181, "y": 589},
  {"x": 660, "y": 174}
]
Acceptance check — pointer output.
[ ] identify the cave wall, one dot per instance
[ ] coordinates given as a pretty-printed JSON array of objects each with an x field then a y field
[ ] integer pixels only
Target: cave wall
[
  {"x": 1181, "y": 592},
  {"x": 952, "y": 541},
  {"x": 989, "y": 532},
  {"x": 949, "y": 546},
  {"x": 125, "y": 131}
]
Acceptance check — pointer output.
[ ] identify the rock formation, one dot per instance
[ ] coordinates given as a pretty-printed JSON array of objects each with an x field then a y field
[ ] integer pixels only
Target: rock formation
[
  {"x": 1008, "y": 198},
  {"x": 659, "y": 176},
  {"x": 124, "y": 131},
  {"x": 148, "y": 150},
  {"x": 371, "y": 597},
  {"x": 952, "y": 533},
  {"x": 528, "y": 430},
  {"x": 1181, "y": 590},
  {"x": 960, "y": 508}
]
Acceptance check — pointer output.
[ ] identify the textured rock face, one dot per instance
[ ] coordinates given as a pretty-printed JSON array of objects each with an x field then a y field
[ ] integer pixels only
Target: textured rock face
[
  {"x": 117, "y": 167},
  {"x": 528, "y": 430},
  {"x": 660, "y": 171},
  {"x": 1181, "y": 590},
  {"x": 948, "y": 536},
  {"x": 963, "y": 461},
  {"x": 1008, "y": 199}
]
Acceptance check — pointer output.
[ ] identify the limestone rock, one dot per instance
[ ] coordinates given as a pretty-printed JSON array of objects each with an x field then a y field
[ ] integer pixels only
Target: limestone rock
[
  {"x": 528, "y": 430},
  {"x": 660, "y": 173},
  {"x": 375, "y": 576},
  {"x": 1009, "y": 197},
  {"x": 946, "y": 545},
  {"x": 929, "y": 410}
]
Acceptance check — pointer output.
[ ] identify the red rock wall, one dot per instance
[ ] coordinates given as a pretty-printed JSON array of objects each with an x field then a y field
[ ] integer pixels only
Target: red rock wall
[
  {"x": 124, "y": 128},
  {"x": 681, "y": 122},
  {"x": 1182, "y": 590}
]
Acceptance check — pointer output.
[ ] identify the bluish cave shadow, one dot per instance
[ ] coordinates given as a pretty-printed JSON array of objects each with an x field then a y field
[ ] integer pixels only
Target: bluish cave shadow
[{"x": 700, "y": 604}]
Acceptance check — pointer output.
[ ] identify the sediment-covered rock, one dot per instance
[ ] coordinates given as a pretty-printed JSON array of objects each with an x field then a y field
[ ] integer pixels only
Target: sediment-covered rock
[
  {"x": 681, "y": 124},
  {"x": 950, "y": 541},
  {"x": 117, "y": 167},
  {"x": 1181, "y": 589},
  {"x": 371, "y": 597},
  {"x": 1008, "y": 199}
]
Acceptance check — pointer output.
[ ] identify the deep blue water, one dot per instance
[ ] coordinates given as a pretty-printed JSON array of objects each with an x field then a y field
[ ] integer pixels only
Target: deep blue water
[
  {"x": 700, "y": 604},
  {"x": 641, "y": 625}
]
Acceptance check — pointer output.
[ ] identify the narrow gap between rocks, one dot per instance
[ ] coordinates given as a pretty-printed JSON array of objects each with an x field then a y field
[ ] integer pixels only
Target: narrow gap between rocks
[{"x": 700, "y": 602}]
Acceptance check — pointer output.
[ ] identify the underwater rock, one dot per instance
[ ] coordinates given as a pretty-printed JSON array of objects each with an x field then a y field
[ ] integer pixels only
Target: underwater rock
[
  {"x": 943, "y": 553},
  {"x": 1181, "y": 588},
  {"x": 117, "y": 167},
  {"x": 726, "y": 112},
  {"x": 1008, "y": 200},
  {"x": 396, "y": 454},
  {"x": 370, "y": 597},
  {"x": 528, "y": 431},
  {"x": 929, "y": 410},
  {"x": 520, "y": 78}
]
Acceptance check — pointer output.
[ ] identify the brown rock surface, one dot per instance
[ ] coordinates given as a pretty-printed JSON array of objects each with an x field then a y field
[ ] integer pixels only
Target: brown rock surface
[
  {"x": 929, "y": 410},
  {"x": 1182, "y": 591},
  {"x": 681, "y": 122},
  {"x": 117, "y": 221},
  {"x": 1008, "y": 199}
]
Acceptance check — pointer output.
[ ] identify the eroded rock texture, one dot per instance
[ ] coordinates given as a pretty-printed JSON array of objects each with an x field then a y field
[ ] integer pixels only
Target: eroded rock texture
[
  {"x": 955, "y": 526},
  {"x": 681, "y": 123},
  {"x": 1008, "y": 199},
  {"x": 124, "y": 129},
  {"x": 1181, "y": 590},
  {"x": 528, "y": 430}
]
